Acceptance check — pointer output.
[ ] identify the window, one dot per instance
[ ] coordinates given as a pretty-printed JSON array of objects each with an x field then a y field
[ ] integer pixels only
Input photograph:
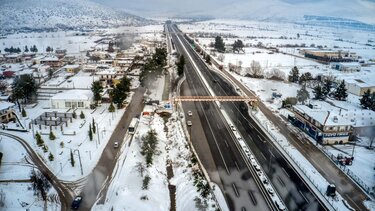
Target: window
[
  {"x": 80, "y": 104},
  {"x": 68, "y": 104}
]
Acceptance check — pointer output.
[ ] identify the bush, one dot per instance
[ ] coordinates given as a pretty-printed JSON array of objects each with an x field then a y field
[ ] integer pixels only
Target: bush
[
  {"x": 82, "y": 115},
  {"x": 45, "y": 148},
  {"x": 146, "y": 182},
  {"x": 23, "y": 112},
  {"x": 39, "y": 140},
  {"x": 50, "y": 157},
  {"x": 74, "y": 115},
  {"x": 62, "y": 144},
  {"x": 52, "y": 136}
]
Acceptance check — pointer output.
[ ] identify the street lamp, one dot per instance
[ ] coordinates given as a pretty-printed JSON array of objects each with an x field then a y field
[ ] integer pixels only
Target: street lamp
[{"x": 80, "y": 163}]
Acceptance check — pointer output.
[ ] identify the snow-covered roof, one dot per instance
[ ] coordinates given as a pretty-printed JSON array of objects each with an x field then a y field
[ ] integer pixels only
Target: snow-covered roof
[
  {"x": 347, "y": 64},
  {"x": 74, "y": 94},
  {"x": 325, "y": 114},
  {"x": 73, "y": 66},
  {"x": 5, "y": 105},
  {"x": 50, "y": 59},
  {"x": 110, "y": 71},
  {"x": 360, "y": 83}
]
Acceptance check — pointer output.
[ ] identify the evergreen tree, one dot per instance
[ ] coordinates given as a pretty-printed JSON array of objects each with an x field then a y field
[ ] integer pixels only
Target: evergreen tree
[
  {"x": 62, "y": 144},
  {"x": 180, "y": 65},
  {"x": 90, "y": 132},
  {"x": 24, "y": 87},
  {"x": 52, "y": 136},
  {"x": 219, "y": 44},
  {"x": 23, "y": 112},
  {"x": 72, "y": 158},
  {"x": 366, "y": 100},
  {"x": 238, "y": 46},
  {"x": 327, "y": 86},
  {"x": 304, "y": 78},
  {"x": 74, "y": 115},
  {"x": 111, "y": 108},
  {"x": 26, "y": 49},
  {"x": 97, "y": 89},
  {"x": 372, "y": 107},
  {"x": 82, "y": 115},
  {"x": 50, "y": 157},
  {"x": 35, "y": 49},
  {"x": 93, "y": 126},
  {"x": 293, "y": 75},
  {"x": 208, "y": 59},
  {"x": 318, "y": 91},
  {"x": 39, "y": 140},
  {"x": 302, "y": 95},
  {"x": 340, "y": 93}
]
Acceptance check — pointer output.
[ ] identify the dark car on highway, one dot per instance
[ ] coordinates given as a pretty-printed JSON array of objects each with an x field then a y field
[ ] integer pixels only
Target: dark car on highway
[{"x": 76, "y": 202}]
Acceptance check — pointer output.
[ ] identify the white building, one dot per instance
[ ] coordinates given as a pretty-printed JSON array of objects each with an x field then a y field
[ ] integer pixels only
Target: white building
[
  {"x": 359, "y": 86},
  {"x": 346, "y": 66},
  {"x": 72, "y": 99}
]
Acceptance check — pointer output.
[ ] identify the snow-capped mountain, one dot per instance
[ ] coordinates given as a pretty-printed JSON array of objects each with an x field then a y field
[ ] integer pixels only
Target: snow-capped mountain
[{"x": 21, "y": 15}]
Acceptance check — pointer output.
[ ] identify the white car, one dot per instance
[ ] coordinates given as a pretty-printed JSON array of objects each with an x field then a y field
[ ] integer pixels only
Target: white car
[
  {"x": 189, "y": 123},
  {"x": 190, "y": 113},
  {"x": 270, "y": 191},
  {"x": 115, "y": 145}
]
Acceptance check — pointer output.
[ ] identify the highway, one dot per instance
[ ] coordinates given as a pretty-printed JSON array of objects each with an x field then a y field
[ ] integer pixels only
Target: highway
[{"x": 230, "y": 165}]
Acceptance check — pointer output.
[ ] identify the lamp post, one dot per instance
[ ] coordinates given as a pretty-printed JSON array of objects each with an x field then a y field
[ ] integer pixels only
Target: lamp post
[{"x": 80, "y": 163}]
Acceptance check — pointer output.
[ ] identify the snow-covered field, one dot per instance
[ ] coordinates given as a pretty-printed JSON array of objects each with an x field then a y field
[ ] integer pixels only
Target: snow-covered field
[
  {"x": 14, "y": 166},
  {"x": 126, "y": 192}
]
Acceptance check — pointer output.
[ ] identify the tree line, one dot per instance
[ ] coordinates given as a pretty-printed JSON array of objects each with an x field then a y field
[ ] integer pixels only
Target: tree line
[{"x": 26, "y": 49}]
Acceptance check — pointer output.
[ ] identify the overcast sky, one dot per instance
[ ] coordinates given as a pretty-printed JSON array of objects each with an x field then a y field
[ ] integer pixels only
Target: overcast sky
[{"x": 358, "y": 9}]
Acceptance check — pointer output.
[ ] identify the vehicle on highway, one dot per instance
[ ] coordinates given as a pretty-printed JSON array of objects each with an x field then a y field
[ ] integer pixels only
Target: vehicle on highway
[
  {"x": 133, "y": 126},
  {"x": 76, "y": 202},
  {"x": 115, "y": 145},
  {"x": 280, "y": 206},
  {"x": 233, "y": 128},
  {"x": 215, "y": 81},
  {"x": 189, "y": 123},
  {"x": 190, "y": 113},
  {"x": 270, "y": 191},
  {"x": 257, "y": 167}
]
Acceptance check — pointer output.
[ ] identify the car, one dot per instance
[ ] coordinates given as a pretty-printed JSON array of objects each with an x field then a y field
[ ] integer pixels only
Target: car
[
  {"x": 280, "y": 206},
  {"x": 257, "y": 167},
  {"x": 265, "y": 181},
  {"x": 190, "y": 113},
  {"x": 270, "y": 191},
  {"x": 189, "y": 123},
  {"x": 233, "y": 128},
  {"x": 115, "y": 145},
  {"x": 215, "y": 81},
  {"x": 76, "y": 202}
]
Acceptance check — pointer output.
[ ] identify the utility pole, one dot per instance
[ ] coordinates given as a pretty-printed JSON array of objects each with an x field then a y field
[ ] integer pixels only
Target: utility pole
[{"x": 80, "y": 163}]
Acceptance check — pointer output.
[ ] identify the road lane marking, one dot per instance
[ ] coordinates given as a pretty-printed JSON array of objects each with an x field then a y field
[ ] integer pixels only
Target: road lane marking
[
  {"x": 226, "y": 143},
  {"x": 238, "y": 168},
  {"x": 235, "y": 190},
  {"x": 304, "y": 196},
  {"x": 252, "y": 197},
  {"x": 281, "y": 181}
]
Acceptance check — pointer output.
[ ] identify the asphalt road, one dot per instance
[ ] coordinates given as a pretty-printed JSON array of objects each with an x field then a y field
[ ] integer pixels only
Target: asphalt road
[
  {"x": 99, "y": 179},
  {"x": 287, "y": 182}
]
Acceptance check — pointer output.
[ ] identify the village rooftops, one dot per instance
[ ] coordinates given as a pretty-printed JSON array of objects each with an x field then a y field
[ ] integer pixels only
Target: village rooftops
[
  {"x": 6, "y": 105},
  {"x": 75, "y": 94}
]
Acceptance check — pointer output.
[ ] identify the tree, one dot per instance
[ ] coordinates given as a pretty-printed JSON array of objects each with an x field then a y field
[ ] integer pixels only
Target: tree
[
  {"x": 24, "y": 87},
  {"x": 305, "y": 77},
  {"x": 140, "y": 167},
  {"x": 110, "y": 47},
  {"x": 48, "y": 49},
  {"x": 340, "y": 93},
  {"x": 318, "y": 91},
  {"x": 26, "y": 49},
  {"x": 160, "y": 57},
  {"x": 3, "y": 85},
  {"x": 180, "y": 65},
  {"x": 293, "y": 75},
  {"x": 1, "y": 157},
  {"x": 40, "y": 184},
  {"x": 72, "y": 158},
  {"x": 50, "y": 157},
  {"x": 208, "y": 59},
  {"x": 74, "y": 114},
  {"x": 221, "y": 57},
  {"x": 146, "y": 182},
  {"x": 111, "y": 108},
  {"x": 302, "y": 95},
  {"x": 62, "y": 144},
  {"x": 23, "y": 112},
  {"x": 255, "y": 70},
  {"x": 82, "y": 115},
  {"x": 372, "y": 101},
  {"x": 52, "y": 136},
  {"x": 97, "y": 89},
  {"x": 93, "y": 126},
  {"x": 327, "y": 86},
  {"x": 90, "y": 132},
  {"x": 119, "y": 93},
  {"x": 39, "y": 140},
  {"x": 219, "y": 44},
  {"x": 366, "y": 100},
  {"x": 238, "y": 46}
]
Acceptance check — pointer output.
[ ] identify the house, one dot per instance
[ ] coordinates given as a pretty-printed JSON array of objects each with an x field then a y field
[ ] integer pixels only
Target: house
[
  {"x": 330, "y": 55},
  {"x": 346, "y": 66},
  {"x": 60, "y": 53},
  {"x": 7, "y": 112},
  {"x": 72, "y": 99},
  {"x": 13, "y": 58},
  {"x": 359, "y": 86},
  {"x": 71, "y": 68},
  {"x": 51, "y": 61},
  {"x": 107, "y": 76},
  {"x": 324, "y": 123}
]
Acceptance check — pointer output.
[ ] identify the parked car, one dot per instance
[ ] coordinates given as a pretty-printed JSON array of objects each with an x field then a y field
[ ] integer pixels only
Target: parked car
[
  {"x": 190, "y": 113},
  {"x": 189, "y": 123},
  {"x": 115, "y": 145},
  {"x": 76, "y": 202}
]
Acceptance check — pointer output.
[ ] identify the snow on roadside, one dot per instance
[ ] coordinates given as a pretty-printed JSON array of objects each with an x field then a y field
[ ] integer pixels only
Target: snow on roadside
[{"x": 125, "y": 191}]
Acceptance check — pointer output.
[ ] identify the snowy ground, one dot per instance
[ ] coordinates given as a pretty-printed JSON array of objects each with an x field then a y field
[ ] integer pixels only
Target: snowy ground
[
  {"x": 78, "y": 143},
  {"x": 126, "y": 189},
  {"x": 15, "y": 167},
  {"x": 81, "y": 80}
]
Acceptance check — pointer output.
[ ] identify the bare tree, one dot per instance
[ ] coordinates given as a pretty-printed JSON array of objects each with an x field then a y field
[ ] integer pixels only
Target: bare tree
[
  {"x": 221, "y": 57},
  {"x": 276, "y": 74},
  {"x": 140, "y": 167},
  {"x": 255, "y": 70},
  {"x": 3, "y": 85}
]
